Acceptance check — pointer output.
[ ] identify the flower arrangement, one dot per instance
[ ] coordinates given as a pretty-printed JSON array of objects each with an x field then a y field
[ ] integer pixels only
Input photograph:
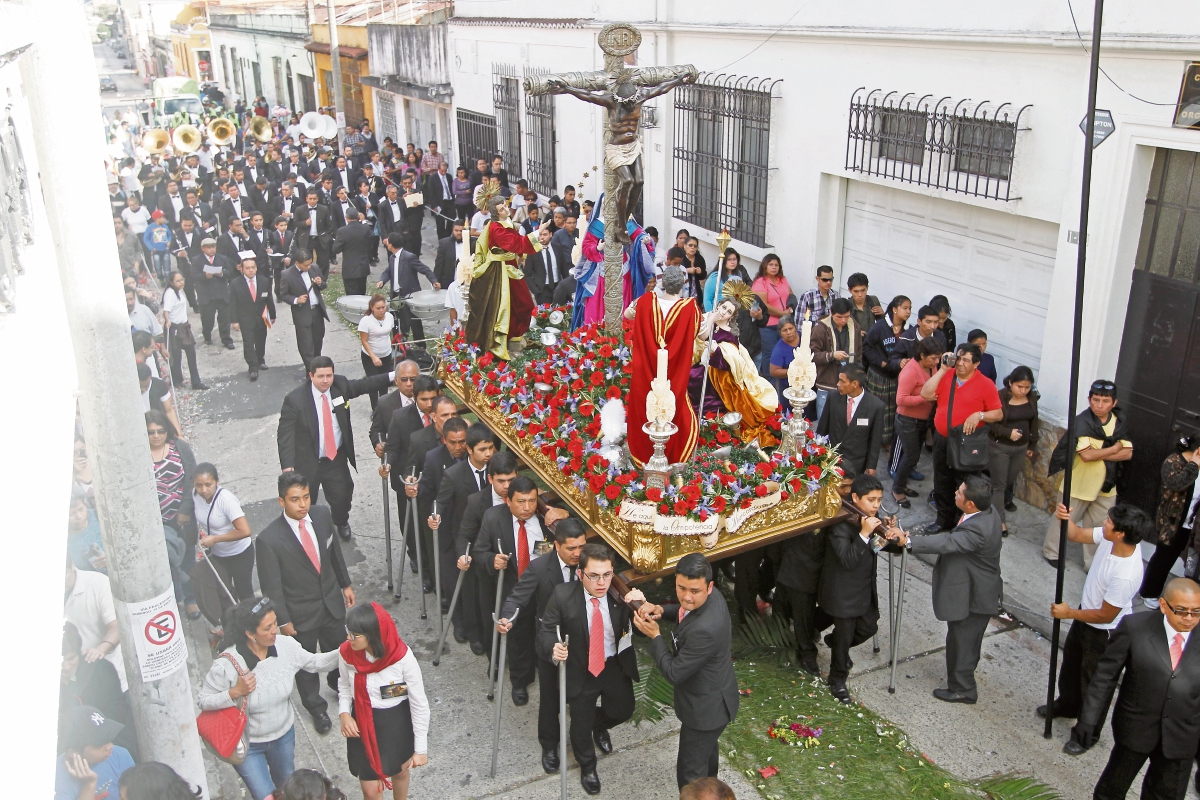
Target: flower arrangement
[
  {"x": 795, "y": 734},
  {"x": 552, "y": 397}
]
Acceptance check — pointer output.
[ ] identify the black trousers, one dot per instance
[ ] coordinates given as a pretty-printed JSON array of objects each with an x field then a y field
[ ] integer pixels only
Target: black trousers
[
  {"x": 613, "y": 689},
  {"x": 219, "y": 310},
  {"x": 448, "y": 560},
  {"x": 807, "y": 619},
  {"x": 409, "y": 322},
  {"x": 177, "y": 351},
  {"x": 326, "y": 636},
  {"x": 906, "y": 449},
  {"x": 236, "y": 572},
  {"x": 698, "y": 757},
  {"x": 964, "y": 638},
  {"x": 522, "y": 653},
  {"x": 369, "y": 369},
  {"x": 755, "y": 577},
  {"x": 276, "y": 275},
  {"x": 849, "y": 632},
  {"x": 945, "y": 483},
  {"x": 444, "y": 220},
  {"x": 1166, "y": 779},
  {"x": 1081, "y": 655},
  {"x": 547, "y": 732},
  {"x": 254, "y": 342},
  {"x": 334, "y": 477},
  {"x": 323, "y": 252},
  {"x": 355, "y": 285},
  {"x": 1161, "y": 562},
  {"x": 412, "y": 239},
  {"x": 189, "y": 284},
  {"x": 403, "y": 514},
  {"x": 310, "y": 337},
  {"x": 466, "y": 613}
]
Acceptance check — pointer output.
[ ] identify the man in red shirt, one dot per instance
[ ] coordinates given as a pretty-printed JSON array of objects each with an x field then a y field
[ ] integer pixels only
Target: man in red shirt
[{"x": 976, "y": 402}]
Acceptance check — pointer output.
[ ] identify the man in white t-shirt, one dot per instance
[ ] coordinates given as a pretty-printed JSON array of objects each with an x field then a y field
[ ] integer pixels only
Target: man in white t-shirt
[
  {"x": 88, "y": 605},
  {"x": 1114, "y": 578}
]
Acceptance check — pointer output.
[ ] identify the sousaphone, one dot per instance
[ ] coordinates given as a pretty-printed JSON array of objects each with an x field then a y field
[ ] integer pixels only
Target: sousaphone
[
  {"x": 222, "y": 131},
  {"x": 156, "y": 140},
  {"x": 260, "y": 128},
  {"x": 186, "y": 139}
]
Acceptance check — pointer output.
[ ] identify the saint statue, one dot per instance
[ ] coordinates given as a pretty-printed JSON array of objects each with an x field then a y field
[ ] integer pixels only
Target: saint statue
[
  {"x": 733, "y": 380},
  {"x": 670, "y": 323},
  {"x": 500, "y": 306}
]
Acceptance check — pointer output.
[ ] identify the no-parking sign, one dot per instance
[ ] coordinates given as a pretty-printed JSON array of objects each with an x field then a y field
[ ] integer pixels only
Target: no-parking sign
[{"x": 159, "y": 642}]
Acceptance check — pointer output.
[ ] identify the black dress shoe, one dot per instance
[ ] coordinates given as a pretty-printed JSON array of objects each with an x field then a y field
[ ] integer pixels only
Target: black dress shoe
[
  {"x": 477, "y": 648},
  {"x": 947, "y": 696},
  {"x": 603, "y": 743},
  {"x": 902, "y": 502},
  {"x": 321, "y": 722},
  {"x": 828, "y": 639},
  {"x": 590, "y": 782},
  {"x": 1051, "y": 561},
  {"x": 1074, "y": 748},
  {"x": 459, "y": 636},
  {"x": 229, "y": 345},
  {"x": 520, "y": 696},
  {"x": 345, "y": 532},
  {"x": 1010, "y": 506},
  {"x": 208, "y": 340},
  {"x": 550, "y": 760},
  {"x": 199, "y": 387},
  {"x": 263, "y": 366},
  {"x": 1058, "y": 713},
  {"x": 428, "y": 586},
  {"x": 177, "y": 384},
  {"x": 810, "y": 666},
  {"x": 253, "y": 375},
  {"x": 839, "y": 691}
]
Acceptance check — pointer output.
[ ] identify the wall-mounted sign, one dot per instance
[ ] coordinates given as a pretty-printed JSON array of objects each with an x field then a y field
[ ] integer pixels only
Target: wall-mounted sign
[
  {"x": 1187, "y": 111},
  {"x": 1103, "y": 128}
]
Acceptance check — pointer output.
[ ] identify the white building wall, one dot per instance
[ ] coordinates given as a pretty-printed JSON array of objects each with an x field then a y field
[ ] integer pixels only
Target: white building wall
[
  {"x": 1022, "y": 52},
  {"x": 263, "y": 48}
]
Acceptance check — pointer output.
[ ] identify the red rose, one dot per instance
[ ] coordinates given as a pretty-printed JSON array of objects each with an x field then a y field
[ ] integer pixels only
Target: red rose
[
  {"x": 718, "y": 504},
  {"x": 745, "y": 502},
  {"x": 813, "y": 473},
  {"x": 703, "y": 515},
  {"x": 654, "y": 494},
  {"x": 664, "y": 509},
  {"x": 521, "y": 434},
  {"x": 760, "y": 490},
  {"x": 681, "y": 507},
  {"x": 765, "y": 468},
  {"x": 491, "y": 375},
  {"x": 783, "y": 496},
  {"x": 723, "y": 436},
  {"x": 606, "y": 350},
  {"x": 597, "y": 378},
  {"x": 596, "y": 483},
  {"x": 795, "y": 484},
  {"x": 486, "y": 359},
  {"x": 613, "y": 393},
  {"x": 586, "y": 408},
  {"x": 612, "y": 491},
  {"x": 577, "y": 384}
]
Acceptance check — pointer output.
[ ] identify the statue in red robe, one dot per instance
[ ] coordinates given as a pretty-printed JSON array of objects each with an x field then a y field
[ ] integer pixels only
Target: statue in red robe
[
  {"x": 499, "y": 304},
  {"x": 669, "y": 322}
]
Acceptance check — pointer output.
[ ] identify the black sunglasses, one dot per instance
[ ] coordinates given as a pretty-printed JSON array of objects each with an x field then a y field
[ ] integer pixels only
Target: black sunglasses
[
  {"x": 1104, "y": 386},
  {"x": 262, "y": 605}
]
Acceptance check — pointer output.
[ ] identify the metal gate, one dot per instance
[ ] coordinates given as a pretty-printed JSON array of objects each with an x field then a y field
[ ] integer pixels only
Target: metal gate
[
  {"x": 540, "y": 164},
  {"x": 476, "y": 137},
  {"x": 506, "y": 97},
  {"x": 385, "y": 115}
]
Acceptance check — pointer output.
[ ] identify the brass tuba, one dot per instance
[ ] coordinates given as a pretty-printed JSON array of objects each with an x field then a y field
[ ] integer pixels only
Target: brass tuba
[
  {"x": 186, "y": 139},
  {"x": 260, "y": 128},
  {"x": 156, "y": 140},
  {"x": 222, "y": 131}
]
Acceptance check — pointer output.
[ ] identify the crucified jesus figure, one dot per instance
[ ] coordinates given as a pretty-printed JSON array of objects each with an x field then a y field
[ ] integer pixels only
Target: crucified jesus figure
[{"x": 622, "y": 94}]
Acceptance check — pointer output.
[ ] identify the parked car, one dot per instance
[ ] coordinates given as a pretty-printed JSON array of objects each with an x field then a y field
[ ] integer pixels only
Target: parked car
[{"x": 107, "y": 84}]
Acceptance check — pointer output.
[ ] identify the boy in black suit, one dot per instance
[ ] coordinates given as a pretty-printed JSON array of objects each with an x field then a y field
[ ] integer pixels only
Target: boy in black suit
[
  {"x": 251, "y": 304},
  {"x": 853, "y": 420},
  {"x": 601, "y": 662},
  {"x": 302, "y": 570}
]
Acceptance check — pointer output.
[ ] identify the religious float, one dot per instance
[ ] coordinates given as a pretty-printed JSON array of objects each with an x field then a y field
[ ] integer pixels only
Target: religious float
[{"x": 559, "y": 405}]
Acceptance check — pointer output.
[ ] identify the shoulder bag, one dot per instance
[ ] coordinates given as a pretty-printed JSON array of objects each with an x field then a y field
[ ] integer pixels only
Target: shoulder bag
[
  {"x": 965, "y": 452},
  {"x": 224, "y": 731}
]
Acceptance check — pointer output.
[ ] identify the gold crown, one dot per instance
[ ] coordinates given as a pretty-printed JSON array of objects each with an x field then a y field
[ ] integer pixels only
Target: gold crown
[
  {"x": 486, "y": 193},
  {"x": 738, "y": 292}
]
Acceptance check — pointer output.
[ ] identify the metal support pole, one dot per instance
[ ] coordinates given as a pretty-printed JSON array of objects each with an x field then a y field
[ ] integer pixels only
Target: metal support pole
[
  {"x": 495, "y": 633},
  {"x": 416, "y": 531},
  {"x": 437, "y": 580},
  {"x": 387, "y": 521},
  {"x": 899, "y": 621},
  {"x": 335, "y": 65},
  {"x": 500, "y": 702},
  {"x": 400, "y": 508},
  {"x": 59, "y": 79},
  {"x": 562, "y": 718},
  {"x": 1076, "y": 334},
  {"x": 437, "y": 654}
]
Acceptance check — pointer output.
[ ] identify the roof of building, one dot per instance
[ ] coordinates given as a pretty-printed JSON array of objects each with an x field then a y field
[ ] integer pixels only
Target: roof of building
[
  {"x": 379, "y": 12},
  {"x": 520, "y": 22}
]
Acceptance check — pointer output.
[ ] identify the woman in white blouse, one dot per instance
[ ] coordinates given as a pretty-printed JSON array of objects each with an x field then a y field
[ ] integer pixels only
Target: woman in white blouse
[
  {"x": 375, "y": 331},
  {"x": 225, "y": 534},
  {"x": 381, "y": 700}
]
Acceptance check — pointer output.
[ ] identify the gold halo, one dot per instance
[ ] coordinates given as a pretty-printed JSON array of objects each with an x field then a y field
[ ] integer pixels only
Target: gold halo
[{"x": 738, "y": 292}]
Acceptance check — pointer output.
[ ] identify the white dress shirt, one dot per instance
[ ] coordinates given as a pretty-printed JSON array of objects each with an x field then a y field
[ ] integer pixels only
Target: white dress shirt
[
  {"x": 446, "y": 195},
  {"x": 405, "y": 400},
  {"x": 564, "y": 568},
  {"x": 854, "y": 402},
  {"x": 337, "y": 429},
  {"x": 1171, "y": 633},
  {"x": 610, "y": 638},
  {"x": 395, "y": 211},
  {"x": 314, "y": 298},
  {"x": 308, "y": 526},
  {"x": 533, "y": 534},
  {"x": 177, "y": 204},
  {"x": 237, "y": 207},
  {"x": 312, "y": 220},
  {"x": 551, "y": 264},
  {"x": 345, "y": 173}
]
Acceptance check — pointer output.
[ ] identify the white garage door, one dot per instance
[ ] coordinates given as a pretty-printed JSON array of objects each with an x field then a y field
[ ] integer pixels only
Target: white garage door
[{"x": 994, "y": 267}]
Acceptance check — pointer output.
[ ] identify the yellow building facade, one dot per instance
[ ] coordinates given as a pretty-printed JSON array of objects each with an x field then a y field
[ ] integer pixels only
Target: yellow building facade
[{"x": 352, "y": 46}]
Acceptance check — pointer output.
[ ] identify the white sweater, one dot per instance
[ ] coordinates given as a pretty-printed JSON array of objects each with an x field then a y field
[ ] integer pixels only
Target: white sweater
[
  {"x": 268, "y": 708},
  {"x": 406, "y": 670}
]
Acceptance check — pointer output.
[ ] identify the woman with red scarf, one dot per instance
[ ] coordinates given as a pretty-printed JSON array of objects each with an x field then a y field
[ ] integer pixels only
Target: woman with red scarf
[{"x": 381, "y": 700}]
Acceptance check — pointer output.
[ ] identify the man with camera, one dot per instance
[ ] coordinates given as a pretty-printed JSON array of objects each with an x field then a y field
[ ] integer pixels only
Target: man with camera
[{"x": 966, "y": 401}]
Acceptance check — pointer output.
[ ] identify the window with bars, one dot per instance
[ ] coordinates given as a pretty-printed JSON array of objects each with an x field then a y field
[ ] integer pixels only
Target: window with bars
[
  {"x": 721, "y": 155},
  {"x": 902, "y": 136},
  {"x": 476, "y": 137},
  {"x": 1170, "y": 239},
  {"x": 540, "y": 163},
  {"x": 985, "y": 147},
  {"x": 506, "y": 99}
]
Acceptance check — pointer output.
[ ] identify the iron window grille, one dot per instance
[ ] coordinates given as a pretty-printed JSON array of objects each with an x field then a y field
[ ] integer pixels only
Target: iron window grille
[
  {"x": 722, "y": 153},
  {"x": 941, "y": 144},
  {"x": 540, "y": 163},
  {"x": 476, "y": 137},
  {"x": 506, "y": 98}
]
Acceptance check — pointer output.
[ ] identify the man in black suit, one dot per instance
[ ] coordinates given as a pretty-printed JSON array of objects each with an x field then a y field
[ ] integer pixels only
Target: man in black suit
[
  {"x": 202, "y": 213},
  {"x": 286, "y": 205},
  {"x": 1157, "y": 716},
  {"x": 280, "y": 241},
  {"x": 302, "y": 570},
  {"x": 543, "y": 270},
  {"x": 366, "y": 201},
  {"x": 445, "y": 263},
  {"x": 411, "y": 218},
  {"x": 439, "y": 199},
  {"x": 251, "y": 304},
  {"x": 234, "y": 206},
  {"x": 459, "y": 483},
  {"x": 501, "y": 471},
  {"x": 423, "y": 443},
  {"x": 701, "y": 669},
  {"x": 796, "y": 585},
  {"x": 344, "y": 175},
  {"x": 451, "y": 450},
  {"x": 314, "y": 229},
  {"x": 262, "y": 195},
  {"x": 251, "y": 169},
  {"x": 853, "y": 420},
  {"x": 532, "y": 593},
  {"x": 315, "y": 437},
  {"x": 601, "y": 661},
  {"x": 407, "y": 372},
  {"x": 300, "y": 287},
  {"x": 256, "y": 239},
  {"x": 848, "y": 594},
  {"x": 211, "y": 274},
  {"x": 355, "y": 242},
  {"x": 392, "y": 428},
  {"x": 232, "y": 242},
  {"x": 187, "y": 252},
  {"x": 401, "y": 274},
  {"x": 966, "y": 584},
  {"x": 390, "y": 210},
  {"x": 171, "y": 203}
]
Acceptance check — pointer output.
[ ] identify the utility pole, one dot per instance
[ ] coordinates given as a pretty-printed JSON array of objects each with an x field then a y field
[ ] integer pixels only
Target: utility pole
[
  {"x": 335, "y": 62},
  {"x": 60, "y": 79}
]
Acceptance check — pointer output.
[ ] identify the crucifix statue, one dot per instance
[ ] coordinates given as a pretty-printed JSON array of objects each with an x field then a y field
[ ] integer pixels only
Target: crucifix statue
[{"x": 621, "y": 90}]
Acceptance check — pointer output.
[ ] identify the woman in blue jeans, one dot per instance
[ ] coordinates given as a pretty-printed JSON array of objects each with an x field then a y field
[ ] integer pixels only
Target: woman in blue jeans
[{"x": 258, "y": 667}]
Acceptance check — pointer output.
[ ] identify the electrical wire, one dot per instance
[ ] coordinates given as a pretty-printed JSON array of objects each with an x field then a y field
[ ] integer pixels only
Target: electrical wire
[
  {"x": 774, "y": 33},
  {"x": 1118, "y": 86}
]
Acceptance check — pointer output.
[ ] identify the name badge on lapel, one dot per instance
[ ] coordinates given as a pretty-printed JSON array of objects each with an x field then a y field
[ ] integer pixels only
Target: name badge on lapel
[
  {"x": 392, "y": 690},
  {"x": 626, "y": 640},
  {"x": 339, "y": 401},
  {"x": 864, "y": 423}
]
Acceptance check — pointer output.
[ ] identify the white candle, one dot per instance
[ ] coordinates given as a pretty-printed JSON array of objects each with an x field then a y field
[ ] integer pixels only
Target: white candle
[
  {"x": 662, "y": 364},
  {"x": 806, "y": 332}
]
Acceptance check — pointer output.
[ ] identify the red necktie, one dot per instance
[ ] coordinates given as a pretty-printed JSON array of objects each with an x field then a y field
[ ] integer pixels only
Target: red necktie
[
  {"x": 596, "y": 645},
  {"x": 327, "y": 421},
  {"x": 522, "y": 548},
  {"x": 1176, "y": 651},
  {"x": 253, "y": 289},
  {"x": 682, "y": 614},
  {"x": 424, "y": 420},
  {"x": 849, "y": 409},
  {"x": 310, "y": 546}
]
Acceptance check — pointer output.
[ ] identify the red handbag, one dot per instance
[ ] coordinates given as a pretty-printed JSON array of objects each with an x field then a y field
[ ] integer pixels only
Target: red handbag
[{"x": 224, "y": 731}]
